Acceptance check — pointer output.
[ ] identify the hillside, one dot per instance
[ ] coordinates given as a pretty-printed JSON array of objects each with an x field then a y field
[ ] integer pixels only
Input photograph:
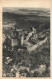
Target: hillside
[
  {"x": 27, "y": 21},
  {"x": 35, "y": 60}
]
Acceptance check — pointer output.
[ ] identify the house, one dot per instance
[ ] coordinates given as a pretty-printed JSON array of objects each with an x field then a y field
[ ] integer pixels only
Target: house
[{"x": 17, "y": 37}]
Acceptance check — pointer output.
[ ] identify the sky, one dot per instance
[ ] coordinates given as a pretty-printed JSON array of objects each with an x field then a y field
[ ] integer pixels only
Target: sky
[{"x": 36, "y": 11}]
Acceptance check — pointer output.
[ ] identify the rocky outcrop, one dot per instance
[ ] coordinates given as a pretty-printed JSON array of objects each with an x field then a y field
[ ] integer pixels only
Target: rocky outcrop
[{"x": 33, "y": 47}]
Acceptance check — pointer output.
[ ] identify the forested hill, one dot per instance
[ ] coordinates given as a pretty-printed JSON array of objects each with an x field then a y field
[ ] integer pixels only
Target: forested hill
[{"x": 39, "y": 21}]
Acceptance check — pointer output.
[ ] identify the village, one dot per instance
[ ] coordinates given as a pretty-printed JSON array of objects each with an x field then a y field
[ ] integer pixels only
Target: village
[
  {"x": 22, "y": 40},
  {"x": 25, "y": 42}
]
